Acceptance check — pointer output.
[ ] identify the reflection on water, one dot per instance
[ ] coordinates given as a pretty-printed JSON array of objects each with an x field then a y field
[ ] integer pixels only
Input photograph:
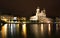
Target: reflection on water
[
  {"x": 42, "y": 29},
  {"x": 38, "y": 30},
  {"x": 24, "y": 30},
  {"x": 4, "y": 31},
  {"x": 34, "y": 29},
  {"x": 49, "y": 29},
  {"x": 56, "y": 27}
]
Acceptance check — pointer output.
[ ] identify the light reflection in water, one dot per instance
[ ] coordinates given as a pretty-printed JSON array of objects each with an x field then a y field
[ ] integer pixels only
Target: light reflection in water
[
  {"x": 24, "y": 30},
  {"x": 42, "y": 29},
  {"x": 4, "y": 31},
  {"x": 56, "y": 27},
  {"x": 12, "y": 29},
  {"x": 17, "y": 28},
  {"x": 35, "y": 30},
  {"x": 49, "y": 29}
]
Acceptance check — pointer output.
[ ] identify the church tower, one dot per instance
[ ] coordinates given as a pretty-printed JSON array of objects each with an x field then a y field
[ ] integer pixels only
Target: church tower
[{"x": 37, "y": 12}]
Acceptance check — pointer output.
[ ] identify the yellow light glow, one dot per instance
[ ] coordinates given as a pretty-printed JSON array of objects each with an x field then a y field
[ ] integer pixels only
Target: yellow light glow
[
  {"x": 17, "y": 28},
  {"x": 49, "y": 29},
  {"x": 4, "y": 31},
  {"x": 5, "y": 20},
  {"x": 24, "y": 30},
  {"x": 42, "y": 29},
  {"x": 48, "y": 22}
]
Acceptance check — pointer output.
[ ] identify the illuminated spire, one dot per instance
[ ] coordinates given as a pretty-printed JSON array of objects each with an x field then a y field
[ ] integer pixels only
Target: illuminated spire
[{"x": 37, "y": 10}]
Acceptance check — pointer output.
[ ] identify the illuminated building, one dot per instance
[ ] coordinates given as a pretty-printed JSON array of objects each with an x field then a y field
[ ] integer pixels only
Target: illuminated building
[{"x": 40, "y": 16}]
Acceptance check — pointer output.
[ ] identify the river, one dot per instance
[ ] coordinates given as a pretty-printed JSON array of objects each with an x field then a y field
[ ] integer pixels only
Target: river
[{"x": 30, "y": 31}]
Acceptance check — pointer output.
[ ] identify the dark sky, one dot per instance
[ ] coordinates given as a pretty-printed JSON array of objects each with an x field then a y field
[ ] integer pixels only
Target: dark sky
[{"x": 28, "y": 7}]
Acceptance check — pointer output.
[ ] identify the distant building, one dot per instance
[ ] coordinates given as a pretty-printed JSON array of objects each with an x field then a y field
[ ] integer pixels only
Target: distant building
[{"x": 40, "y": 16}]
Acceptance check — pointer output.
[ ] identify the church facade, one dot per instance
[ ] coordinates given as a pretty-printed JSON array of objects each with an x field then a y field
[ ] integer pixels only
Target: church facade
[{"x": 40, "y": 16}]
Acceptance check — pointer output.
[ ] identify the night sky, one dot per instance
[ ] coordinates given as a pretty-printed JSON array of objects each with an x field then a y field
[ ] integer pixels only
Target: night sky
[{"x": 27, "y": 7}]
